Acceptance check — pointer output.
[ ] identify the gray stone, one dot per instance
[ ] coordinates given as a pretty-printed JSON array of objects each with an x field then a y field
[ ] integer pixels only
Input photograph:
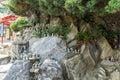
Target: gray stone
[
  {"x": 76, "y": 68},
  {"x": 84, "y": 63},
  {"x": 49, "y": 47},
  {"x": 18, "y": 71},
  {"x": 20, "y": 42},
  {"x": 91, "y": 56},
  {"x": 50, "y": 70},
  {"x": 97, "y": 74},
  {"x": 3, "y": 70},
  {"x": 27, "y": 34},
  {"x": 20, "y": 47}
]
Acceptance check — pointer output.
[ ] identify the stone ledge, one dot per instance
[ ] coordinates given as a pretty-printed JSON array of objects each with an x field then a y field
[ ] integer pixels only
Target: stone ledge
[{"x": 19, "y": 42}]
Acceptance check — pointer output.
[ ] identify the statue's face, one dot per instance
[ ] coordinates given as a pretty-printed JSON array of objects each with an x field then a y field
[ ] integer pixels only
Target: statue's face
[{"x": 18, "y": 34}]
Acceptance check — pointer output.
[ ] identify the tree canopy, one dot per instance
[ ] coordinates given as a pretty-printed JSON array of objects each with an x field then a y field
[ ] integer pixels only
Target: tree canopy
[
  {"x": 70, "y": 11},
  {"x": 76, "y": 8}
]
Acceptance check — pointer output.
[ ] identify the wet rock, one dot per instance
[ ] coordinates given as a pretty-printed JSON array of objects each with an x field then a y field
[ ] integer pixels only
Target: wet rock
[
  {"x": 49, "y": 47},
  {"x": 18, "y": 71},
  {"x": 50, "y": 70},
  {"x": 105, "y": 48}
]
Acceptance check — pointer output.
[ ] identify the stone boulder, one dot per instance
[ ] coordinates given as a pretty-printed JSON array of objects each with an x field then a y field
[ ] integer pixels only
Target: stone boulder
[
  {"x": 105, "y": 48},
  {"x": 18, "y": 71},
  {"x": 71, "y": 35},
  {"x": 76, "y": 68},
  {"x": 50, "y": 70},
  {"x": 3, "y": 70},
  {"x": 49, "y": 47}
]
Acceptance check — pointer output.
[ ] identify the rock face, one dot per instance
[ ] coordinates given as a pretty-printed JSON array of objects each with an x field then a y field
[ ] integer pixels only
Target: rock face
[
  {"x": 71, "y": 35},
  {"x": 49, "y": 47},
  {"x": 79, "y": 65},
  {"x": 51, "y": 70},
  {"x": 19, "y": 71},
  {"x": 76, "y": 68},
  {"x": 105, "y": 48},
  {"x": 56, "y": 62}
]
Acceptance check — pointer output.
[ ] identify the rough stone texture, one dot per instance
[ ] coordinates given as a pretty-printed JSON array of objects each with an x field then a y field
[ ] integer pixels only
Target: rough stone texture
[
  {"x": 115, "y": 75},
  {"x": 20, "y": 47},
  {"x": 71, "y": 35},
  {"x": 76, "y": 68},
  {"x": 18, "y": 71},
  {"x": 4, "y": 59},
  {"x": 84, "y": 27},
  {"x": 98, "y": 73},
  {"x": 90, "y": 56},
  {"x": 81, "y": 67},
  {"x": 85, "y": 65},
  {"x": 50, "y": 70},
  {"x": 49, "y": 47},
  {"x": 105, "y": 48},
  {"x": 3, "y": 70},
  {"x": 27, "y": 34}
]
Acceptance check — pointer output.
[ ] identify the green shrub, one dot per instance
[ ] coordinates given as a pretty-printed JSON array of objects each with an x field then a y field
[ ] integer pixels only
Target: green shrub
[
  {"x": 51, "y": 7},
  {"x": 20, "y": 23}
]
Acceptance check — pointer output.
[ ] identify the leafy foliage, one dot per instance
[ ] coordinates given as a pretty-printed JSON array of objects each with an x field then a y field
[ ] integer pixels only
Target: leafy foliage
[
  {"x": 51, "y": 7},
  {"x": 77, "y": 8},
  {"x": 22, "y": 7},
  {"x": 113, "y": 6},
  {"x": 96, "y": 32},
  {"x": 18, "y": 24}
]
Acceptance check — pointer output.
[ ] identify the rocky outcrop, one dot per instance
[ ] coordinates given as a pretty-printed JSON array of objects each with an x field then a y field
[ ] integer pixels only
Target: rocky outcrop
[
  {"x": 71, "y": 36},
  {"x": 57, "y": 62},
  {"x": 49, "y": 47},
  {"x": 76, "y": 68},
  {"x": 105, "y": 48},
  {"x": 50, "y": 70},
  {"x": 3, "y": 70},
  {"x": 19, "y": 71},
  {"x": 79, "y": 65}
]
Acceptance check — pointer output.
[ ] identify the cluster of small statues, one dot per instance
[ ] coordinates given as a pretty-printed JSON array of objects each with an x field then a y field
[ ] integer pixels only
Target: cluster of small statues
[
  {"x": 71, "y": 50},
  {"x": 36, "y": 67},
  {"x": 29, "y": 56}
]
